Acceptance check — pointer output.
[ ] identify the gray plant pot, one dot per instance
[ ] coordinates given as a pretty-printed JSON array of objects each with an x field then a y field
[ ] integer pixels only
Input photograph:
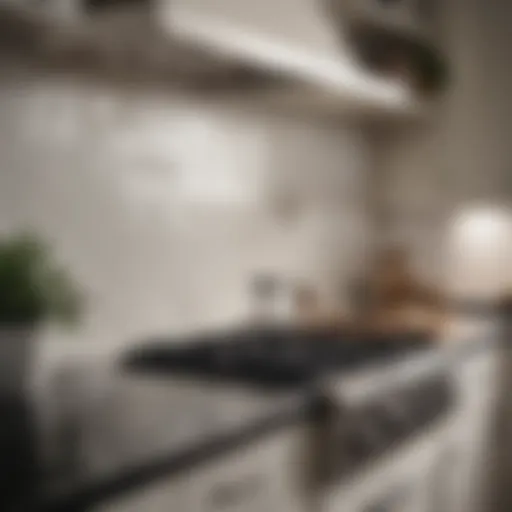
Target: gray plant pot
[
  {"x": 18, "y": 466},
  {"x": 16, "y": 344}
]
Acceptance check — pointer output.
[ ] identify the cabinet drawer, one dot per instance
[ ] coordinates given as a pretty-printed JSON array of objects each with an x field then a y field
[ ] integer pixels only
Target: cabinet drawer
[{"x": 262, "y": 477}]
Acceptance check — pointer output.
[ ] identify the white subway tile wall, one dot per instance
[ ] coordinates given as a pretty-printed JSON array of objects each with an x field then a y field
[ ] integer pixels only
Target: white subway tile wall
[{"x": 164, "y": 207}]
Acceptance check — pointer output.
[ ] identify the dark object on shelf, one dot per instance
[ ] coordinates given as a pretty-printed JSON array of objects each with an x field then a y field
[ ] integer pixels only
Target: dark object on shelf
[{"x": 416, "y": 61}]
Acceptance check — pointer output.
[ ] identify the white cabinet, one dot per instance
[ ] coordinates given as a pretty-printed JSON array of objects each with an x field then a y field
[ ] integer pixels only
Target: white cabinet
[
  {"x": 471, "y": 449},
  {"x": 263, "y": 476}
]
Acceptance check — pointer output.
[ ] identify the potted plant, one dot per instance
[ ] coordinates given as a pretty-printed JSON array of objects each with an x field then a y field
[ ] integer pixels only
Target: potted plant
[{"x": 33, "y": 290}]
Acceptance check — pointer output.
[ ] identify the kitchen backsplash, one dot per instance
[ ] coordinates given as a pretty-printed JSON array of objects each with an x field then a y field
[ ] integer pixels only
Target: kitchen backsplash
[{"x": 165, "y": 207}]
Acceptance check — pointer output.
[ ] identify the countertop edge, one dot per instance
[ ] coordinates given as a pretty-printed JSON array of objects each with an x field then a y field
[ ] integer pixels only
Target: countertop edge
[{"x": 92, "y": 494}]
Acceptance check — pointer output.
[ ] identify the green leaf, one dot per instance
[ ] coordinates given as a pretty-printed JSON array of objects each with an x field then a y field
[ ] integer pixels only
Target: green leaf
[{"x": 33, "y": 288}]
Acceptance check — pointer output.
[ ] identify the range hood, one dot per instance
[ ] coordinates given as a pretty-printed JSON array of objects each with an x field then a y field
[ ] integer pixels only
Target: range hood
[
  {"x": 288, "y": 52},
  {"x": 299, "y": 39}
]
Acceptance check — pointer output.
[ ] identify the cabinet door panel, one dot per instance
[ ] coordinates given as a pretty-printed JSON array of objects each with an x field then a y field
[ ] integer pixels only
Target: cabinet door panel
[{"x": 259, "y": 478}]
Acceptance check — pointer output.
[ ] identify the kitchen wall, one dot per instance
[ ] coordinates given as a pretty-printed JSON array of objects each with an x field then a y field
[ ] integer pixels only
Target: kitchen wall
[
  {"x": 164, "y": 207},
  {"x": 446, "y": 188}
]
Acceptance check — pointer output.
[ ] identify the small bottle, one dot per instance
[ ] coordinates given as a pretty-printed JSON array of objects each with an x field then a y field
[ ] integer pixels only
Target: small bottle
[{"x": 272, "y": 300}]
